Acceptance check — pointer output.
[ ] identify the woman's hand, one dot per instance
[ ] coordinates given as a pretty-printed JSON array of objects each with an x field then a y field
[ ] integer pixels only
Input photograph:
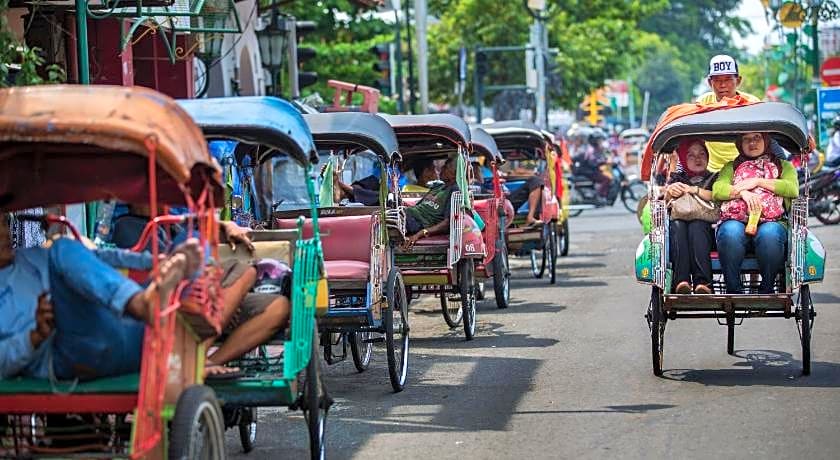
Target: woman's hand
[
  {"x": 746, "y": 185},
  {"x": 677, "y": 189},
  {"x": 753, "y": 201}
]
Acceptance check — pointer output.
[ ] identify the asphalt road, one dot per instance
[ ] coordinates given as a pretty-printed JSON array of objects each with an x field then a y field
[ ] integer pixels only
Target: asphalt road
[{"x": 565, "y": 373}]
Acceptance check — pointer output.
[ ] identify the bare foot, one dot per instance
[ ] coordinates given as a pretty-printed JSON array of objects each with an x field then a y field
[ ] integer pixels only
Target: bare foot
[
  {"x": 171, "y": 272},
  {"x": 531, "y": 222},
  {"x": 220, "y": 372},
  {"x": 191, "y": 249}
]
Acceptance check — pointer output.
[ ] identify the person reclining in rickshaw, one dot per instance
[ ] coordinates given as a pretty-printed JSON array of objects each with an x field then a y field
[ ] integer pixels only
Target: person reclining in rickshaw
[
  {"x": 430, "y": 216},
  {"x": 757, "y": 182},
  {"x": 530, "y": 192},
  {"x": 691, "y": 240},
  {"x": 68, "y": 313},
  {"x": 249, "y": 319}
]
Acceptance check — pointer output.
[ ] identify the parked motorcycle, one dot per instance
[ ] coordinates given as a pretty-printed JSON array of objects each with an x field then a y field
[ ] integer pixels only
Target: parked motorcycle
[{"x": 825, "y": 196}]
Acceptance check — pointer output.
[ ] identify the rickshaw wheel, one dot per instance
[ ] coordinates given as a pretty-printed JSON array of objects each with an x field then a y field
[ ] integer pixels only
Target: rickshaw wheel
[
  {"x": 730, "y": 333},
  {"x": 480, "y": 288},
  {"x": 396, "y": 331},
  {"x": 805, "y": 315},
  {"x": 248, "y": 428},
  {"x": 538, "y": 273},
  {"x": 563, "y": 240},
  {"x": 197, "y": 429},
  {"x": 451, "y": 308},
  {"x": 552, "y": 251},
  {"x": 632, "y": 193},
  {"x": 316, "y": 403},
  {"x": 657, "y": 330},
  {"x": 361, "y": 348},
  {"x": 466, "y": 280},
  {"x": 501, "y": 276},
  {"x": 576, "y": 198}
]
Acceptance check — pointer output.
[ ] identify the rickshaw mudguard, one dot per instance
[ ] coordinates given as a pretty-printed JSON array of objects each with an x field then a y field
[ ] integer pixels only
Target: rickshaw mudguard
[
  {"x": 472, "y": 242},
  {"x": 814, "y": 269},
  {"x": 644, "y": 262}
]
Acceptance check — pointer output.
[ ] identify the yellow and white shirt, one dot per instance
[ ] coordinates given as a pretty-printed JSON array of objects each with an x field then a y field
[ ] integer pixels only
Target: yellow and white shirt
[{"x": 721, "y": 153}]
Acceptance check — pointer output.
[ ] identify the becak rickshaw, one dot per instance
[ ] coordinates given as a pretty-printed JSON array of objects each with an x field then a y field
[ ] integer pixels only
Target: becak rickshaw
[
  {"x": 790, "y": 296},
  {"x": 489, "y": 203},
  {"x": 273, "y": 133},
  {"x": 72, "y": 144},
  {"x": 441, "y": 264},
  {"x": 360, "y": 155},
  {"x": 533, "y": 170}
]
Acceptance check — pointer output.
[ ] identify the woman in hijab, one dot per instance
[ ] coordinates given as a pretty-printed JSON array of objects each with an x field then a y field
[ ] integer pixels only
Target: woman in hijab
[
  {"x": 691, "y": 240},
  {"x": 757, "y": 182}
]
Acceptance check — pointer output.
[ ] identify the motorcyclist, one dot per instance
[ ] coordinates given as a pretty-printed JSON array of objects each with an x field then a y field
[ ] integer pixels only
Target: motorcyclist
[
  {"x": 832, "y": 153},
  {"x": 588, "y": 164}
]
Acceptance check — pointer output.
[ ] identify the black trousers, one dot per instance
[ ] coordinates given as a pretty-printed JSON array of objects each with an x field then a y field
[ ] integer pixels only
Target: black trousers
[{"x": 691, "y": 242}]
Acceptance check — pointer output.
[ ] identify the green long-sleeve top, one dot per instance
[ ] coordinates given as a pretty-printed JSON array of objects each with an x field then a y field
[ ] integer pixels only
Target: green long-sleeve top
[{"x": 787, "y": 185}]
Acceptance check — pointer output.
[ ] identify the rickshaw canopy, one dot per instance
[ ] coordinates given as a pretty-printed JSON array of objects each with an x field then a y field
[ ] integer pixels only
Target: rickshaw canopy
[
  {"x": 365, "y": 130},
  {"x": 782, "y": 121},
  {"x": 517, "y": 135},
  {"x": 435, "y": 135},
  {"x": 262, "y": 120},
  {"x": 64, "y": 144},
  {"x": 483, "y": 144}
]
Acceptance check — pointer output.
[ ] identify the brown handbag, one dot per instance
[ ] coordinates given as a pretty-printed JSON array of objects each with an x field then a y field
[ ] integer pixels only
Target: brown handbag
[{"x": 692, "y": 207}]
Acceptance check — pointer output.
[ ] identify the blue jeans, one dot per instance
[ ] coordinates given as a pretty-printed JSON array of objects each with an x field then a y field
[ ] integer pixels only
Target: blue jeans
[
  {"x": 769, "y": 245},
  {"x": 92, "y": 336}
]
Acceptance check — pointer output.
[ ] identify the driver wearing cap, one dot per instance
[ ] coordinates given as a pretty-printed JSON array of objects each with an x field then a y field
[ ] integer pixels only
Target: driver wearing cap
[{"x": 724, "y": 80}]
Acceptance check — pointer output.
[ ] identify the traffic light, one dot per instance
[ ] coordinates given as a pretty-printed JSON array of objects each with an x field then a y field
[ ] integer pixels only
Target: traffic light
[
  {"x": 383, "y": 66},
  {"x": 596, "y": 107},
  {"x": 304, "y": 53}
]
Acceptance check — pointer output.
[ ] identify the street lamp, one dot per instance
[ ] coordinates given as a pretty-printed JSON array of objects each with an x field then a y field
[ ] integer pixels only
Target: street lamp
[{"x": 272, "y": 40}]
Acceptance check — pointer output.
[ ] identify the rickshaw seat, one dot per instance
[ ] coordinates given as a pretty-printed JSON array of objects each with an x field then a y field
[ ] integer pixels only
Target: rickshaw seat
[
  {"x": 435, "y": 240},
  {"x": 347, "y": 270},
  {"x": 120, "y": 384},
  {"x": 482, "y": 207},
  {"x": 346, "y": 244},
  {"x": 750, "y": 263}
]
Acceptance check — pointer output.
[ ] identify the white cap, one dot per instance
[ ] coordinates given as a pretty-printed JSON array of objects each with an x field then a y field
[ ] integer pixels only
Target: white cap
[{"x": 723, "y": 64}]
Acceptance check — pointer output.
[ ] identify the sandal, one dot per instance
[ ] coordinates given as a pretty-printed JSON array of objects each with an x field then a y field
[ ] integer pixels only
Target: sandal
[{"x": 223, "y": 372}]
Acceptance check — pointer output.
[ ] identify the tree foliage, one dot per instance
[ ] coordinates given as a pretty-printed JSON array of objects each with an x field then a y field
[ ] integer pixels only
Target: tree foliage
[{"x": 21, "y": 65}]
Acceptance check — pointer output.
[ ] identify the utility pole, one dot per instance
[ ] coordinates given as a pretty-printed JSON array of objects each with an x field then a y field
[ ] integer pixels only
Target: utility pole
[
  {"x": 398, "y": 57},
  {"x": 645, "y": 109},
  {"x": 412, "y": 97},
  {"x": 536, "y": 43},
  {"x": 422, "y": 54}
]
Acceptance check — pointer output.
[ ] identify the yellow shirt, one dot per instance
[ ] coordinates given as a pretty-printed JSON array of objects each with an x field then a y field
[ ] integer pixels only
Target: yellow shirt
[{"x": 721, "y": 153}]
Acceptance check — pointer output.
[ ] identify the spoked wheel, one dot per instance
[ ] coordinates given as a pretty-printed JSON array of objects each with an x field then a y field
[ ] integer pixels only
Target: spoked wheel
[
  {"x": 563, "y": 239},
  {"x": 315, "y": 405},
  {"x": 576, "y": 198},
  {"x": 361, "y": 347},
  {"x": 501, "y": 276},
  {"x": 730, "y": 333},
  {"x": 248, "y": 428},
  {"x": 552, "y": 251},
  {"x": 539, "y": 257},
  {"x": 480, "y": 288},
  {"x": 466, "y": 275},
  {"x": 827, "y": 207},
  {"x": 632, "y": 193},
  {"x": 450, "y": 305},
  {"x": 805, "y": 317},
  {"x": 197, "y": 429},
  {"x": 396, "y": 331},
  {"x": 656, "y": 319}
]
